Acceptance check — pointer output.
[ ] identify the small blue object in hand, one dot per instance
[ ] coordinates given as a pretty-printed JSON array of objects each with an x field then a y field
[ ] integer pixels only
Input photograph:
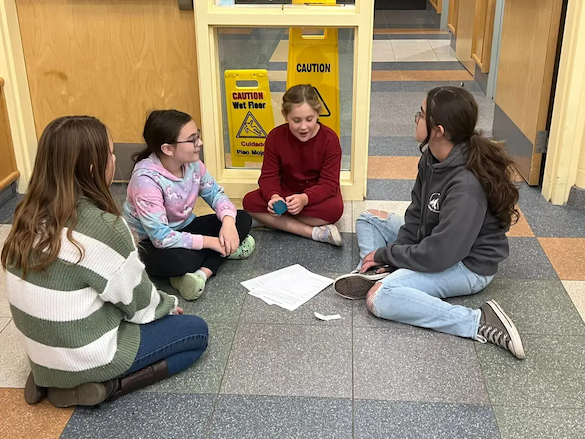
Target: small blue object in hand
[{"x": 279, "y": 207}]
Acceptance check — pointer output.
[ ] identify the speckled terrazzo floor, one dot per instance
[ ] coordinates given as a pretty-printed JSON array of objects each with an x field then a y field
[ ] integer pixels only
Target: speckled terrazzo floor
[{"x": 270, "y": 373}]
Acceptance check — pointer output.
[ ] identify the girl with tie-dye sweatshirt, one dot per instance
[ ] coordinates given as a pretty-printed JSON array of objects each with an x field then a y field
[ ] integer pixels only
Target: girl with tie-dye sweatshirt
[{"x": 166, "y": 181}]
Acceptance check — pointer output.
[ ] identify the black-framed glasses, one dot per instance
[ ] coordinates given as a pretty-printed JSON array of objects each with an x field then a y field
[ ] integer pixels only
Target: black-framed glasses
[
  {"x": 418, "y": 116},
  {"x": 194, "y": 140}
]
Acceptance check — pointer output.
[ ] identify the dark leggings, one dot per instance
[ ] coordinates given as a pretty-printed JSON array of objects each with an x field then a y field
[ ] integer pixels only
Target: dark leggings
[{"x": 173, "y": 262}]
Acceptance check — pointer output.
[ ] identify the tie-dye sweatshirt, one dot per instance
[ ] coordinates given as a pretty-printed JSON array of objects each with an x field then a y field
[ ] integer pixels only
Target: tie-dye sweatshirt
[{"x": 159, "y": 204}]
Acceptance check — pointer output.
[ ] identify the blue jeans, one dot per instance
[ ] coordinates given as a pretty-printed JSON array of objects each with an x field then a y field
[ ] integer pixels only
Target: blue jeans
[
  {"x": 414, "y": 298},
  {"x": 180, "y": 339}
]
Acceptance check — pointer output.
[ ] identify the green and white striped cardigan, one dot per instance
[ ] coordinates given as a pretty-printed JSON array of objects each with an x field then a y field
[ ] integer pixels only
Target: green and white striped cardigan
[{"x": 79, "y": 321}]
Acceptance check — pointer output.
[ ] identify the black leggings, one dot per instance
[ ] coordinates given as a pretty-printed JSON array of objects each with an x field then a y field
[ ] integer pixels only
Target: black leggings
[{"x": 173, "y": 262}]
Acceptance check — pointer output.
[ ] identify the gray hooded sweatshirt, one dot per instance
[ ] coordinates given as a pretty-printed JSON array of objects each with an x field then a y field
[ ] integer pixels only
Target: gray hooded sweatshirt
[{"x": 447, "y": 222}]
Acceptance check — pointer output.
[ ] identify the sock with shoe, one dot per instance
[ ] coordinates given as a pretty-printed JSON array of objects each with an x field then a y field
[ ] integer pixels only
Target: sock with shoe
[
  {"x": 496, "y": 327},
  {"x": 90, "y": 394},
  {"x": 328, "y": 234},
  {"x": 190, "y": 285}
]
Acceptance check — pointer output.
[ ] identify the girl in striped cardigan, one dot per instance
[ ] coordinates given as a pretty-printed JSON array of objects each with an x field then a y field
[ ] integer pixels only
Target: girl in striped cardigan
[{"x": 91, "y": 322}]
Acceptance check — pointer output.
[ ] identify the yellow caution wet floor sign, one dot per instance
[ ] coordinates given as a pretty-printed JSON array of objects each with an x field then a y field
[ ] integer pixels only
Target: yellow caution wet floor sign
[
  {"x": 313, "y": 58},
  {"x": 250, "y": 114}
]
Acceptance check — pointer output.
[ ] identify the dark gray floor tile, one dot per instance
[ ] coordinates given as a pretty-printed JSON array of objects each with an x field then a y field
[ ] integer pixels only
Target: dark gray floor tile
[
  {"x": 470, "y": 86},
  {"x": 290, "y": 360},
  {"x": 379, "y": 18},
  {"x": 326, "y": 302},
  {"x": 423, "y": 65},
  {"x": 141, "y": 415},
  {"x": 206, "y": 374},
  {"x": 527, "y": 260},
  {"x": 283, "y": 249},
  {"x": 403, "y": 26},
  {"x": 392, "y": 113},
  {"x": 7, "y": 209},
  {"x": 425, "y": 86},
  {"x": 387, "y": 86},
  {"x": 393, "y": 146},
  {"x": 385, "y": 66},
  {"x": 397, "y": 190},
  {"x": 393, "y": 419},
  {"x": 540, "y": 423},
  {"x": 277, "y": 86},
  {"x": 548, "y": 220},
  {"x": 268, "y": 417},
  {"x": 426, "y": 22},
  {"x": 551, "y": 375},
  {"x": 536, "y": 307},
  {"x": 381, "y": 37},
  {"x": 277, "y": 66},
  {"x": 426, "y": 366},
  {"x": 222, "y": 299}
]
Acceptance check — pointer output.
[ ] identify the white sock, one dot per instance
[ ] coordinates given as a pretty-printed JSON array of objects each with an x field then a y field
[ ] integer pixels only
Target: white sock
[
  {"x": 202, "y": 274},
  {"x": 315, "y": 234},
  {"x": 256, "y": 223}
]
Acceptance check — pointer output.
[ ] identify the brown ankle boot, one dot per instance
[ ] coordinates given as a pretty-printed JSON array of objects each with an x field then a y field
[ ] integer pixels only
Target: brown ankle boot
[
  {"x": 95, "y": 393},
  {"x": 33, "y": 394},
  {"x": 138, "y": 380},
  {"x": 87, "y": 394}
]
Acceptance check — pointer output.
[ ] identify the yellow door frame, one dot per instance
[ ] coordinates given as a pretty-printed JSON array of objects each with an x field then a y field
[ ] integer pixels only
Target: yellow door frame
[
  {"x": 18, "y": 100},
  {"x": 565, "y": 161},
  {"x": 209, "y": 17}
]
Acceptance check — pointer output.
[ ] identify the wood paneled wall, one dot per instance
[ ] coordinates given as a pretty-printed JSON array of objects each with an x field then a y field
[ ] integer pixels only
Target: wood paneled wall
[
  {"x": 8, "y": 171},
  {"x": 113, "y": 59},
  {"x": 483, "y": 33}
]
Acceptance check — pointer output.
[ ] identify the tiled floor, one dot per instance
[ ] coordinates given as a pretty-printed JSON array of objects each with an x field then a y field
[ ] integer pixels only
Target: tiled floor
[{"x": 270, "y": 373}]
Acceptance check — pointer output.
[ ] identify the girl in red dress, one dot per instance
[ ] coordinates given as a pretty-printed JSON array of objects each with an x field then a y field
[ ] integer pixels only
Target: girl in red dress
[{"x": 302, "y": 162}]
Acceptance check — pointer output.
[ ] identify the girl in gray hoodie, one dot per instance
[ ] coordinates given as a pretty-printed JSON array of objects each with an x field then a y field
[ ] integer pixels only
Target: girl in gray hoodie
[{"x": 453, "y": 235}]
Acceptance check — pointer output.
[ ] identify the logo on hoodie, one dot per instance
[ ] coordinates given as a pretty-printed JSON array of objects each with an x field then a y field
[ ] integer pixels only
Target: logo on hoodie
[{"x": 434, "y": 202}]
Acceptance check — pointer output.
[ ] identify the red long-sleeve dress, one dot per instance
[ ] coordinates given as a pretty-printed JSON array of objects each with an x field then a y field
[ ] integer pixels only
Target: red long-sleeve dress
[{"x": 293, "y": 167}]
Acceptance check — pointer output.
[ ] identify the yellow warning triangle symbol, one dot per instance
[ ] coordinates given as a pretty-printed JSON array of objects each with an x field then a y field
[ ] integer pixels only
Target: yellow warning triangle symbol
[
  {"x": 251, "y": 128},
  {"x": 325, "y": 112}
]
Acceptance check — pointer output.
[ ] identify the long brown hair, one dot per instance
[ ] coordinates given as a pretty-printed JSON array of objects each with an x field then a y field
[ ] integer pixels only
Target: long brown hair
[
  {"x": 299, "y": 94},
  {"x": 456, "y": 111},
  {"x": 71, "y": 162},
  {"x": 162, "y": 126}
]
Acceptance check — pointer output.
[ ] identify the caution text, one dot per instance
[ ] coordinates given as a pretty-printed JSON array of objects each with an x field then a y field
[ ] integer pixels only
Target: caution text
[
  {"x": 313, "y": 68},
  {"x": 241, "y": 96}
]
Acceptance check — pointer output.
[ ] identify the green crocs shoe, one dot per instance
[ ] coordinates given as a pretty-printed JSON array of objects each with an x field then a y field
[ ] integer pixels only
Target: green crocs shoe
[
  {"x": 245, "y": 249},
  {"x": 190, "y": 285}
]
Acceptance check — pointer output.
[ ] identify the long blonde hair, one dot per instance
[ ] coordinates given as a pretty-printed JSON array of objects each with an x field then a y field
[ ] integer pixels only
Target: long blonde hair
[{"x": 71, "y": 162}]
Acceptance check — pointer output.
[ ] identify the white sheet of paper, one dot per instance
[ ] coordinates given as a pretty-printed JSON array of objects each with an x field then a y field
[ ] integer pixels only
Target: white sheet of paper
[
  {"x": 327, "y": 318},
  {"x": 288, "y": 287}
]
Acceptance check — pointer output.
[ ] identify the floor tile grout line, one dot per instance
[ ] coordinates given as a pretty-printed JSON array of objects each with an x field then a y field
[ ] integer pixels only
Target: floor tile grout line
[
  {"x": 6, "y": 326},
  {"x": 352, "y": 372},
  {"x": 485, "y": 383},
  {"x": 216, "y": 403}
]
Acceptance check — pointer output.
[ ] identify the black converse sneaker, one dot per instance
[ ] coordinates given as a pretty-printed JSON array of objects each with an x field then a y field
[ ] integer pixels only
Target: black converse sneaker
[
  {"x": 356, "y": 285},
  {"x": 496, "y": 327}
]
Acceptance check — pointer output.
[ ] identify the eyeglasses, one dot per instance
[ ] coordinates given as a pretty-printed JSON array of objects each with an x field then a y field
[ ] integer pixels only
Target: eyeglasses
[
  {"x": 194, "y": 140},
  {"x": 418, "y": 116}
]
